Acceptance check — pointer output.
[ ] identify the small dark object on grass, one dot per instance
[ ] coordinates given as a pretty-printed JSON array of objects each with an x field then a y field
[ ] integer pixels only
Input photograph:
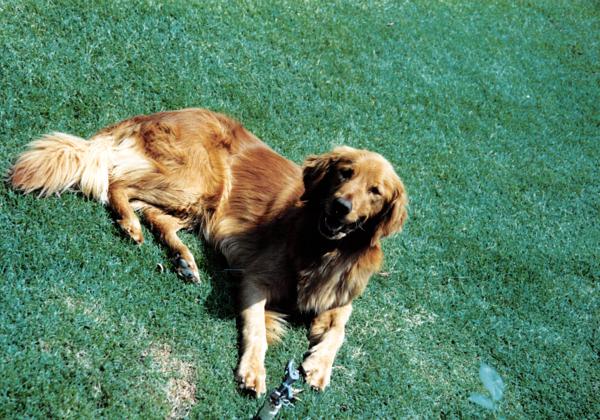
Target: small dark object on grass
[{"x": 283, "y": 395}]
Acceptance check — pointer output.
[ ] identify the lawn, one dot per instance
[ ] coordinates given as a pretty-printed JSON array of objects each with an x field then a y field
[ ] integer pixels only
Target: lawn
[{"x": 490, "y": 112}]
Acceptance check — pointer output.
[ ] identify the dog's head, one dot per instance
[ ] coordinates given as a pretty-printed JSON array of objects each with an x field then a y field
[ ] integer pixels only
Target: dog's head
[{"x": 355, "y": 190}]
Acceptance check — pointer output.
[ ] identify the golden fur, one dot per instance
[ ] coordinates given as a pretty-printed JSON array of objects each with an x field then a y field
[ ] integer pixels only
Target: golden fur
[{"x": 306, "y": 239}]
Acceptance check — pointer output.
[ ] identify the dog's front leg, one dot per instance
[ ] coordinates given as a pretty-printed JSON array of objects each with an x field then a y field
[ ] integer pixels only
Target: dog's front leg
[
  {"x": 251, "y": 372},
  {"x": 326, "y": 337}
]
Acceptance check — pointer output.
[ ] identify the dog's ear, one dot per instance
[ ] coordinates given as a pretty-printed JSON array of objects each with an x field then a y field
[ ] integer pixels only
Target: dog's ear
[
  {"x": 393, "y": 215},
  {"x": 314, "y": 171}
]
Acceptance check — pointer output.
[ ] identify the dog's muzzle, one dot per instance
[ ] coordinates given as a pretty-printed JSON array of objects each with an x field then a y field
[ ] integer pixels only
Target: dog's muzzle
[{"x": 334, "y": 229}]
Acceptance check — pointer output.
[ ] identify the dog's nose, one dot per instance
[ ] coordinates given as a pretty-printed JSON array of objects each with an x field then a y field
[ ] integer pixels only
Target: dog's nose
[{"x": 341, "y": 207}]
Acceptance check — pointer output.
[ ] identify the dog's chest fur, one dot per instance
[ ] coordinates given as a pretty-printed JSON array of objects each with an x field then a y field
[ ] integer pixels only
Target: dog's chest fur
[{"x": 328, "y": 283}]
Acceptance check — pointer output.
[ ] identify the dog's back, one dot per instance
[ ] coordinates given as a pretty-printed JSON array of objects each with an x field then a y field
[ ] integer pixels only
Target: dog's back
[
  {"x": 193, "y": 162},
  {"x": 180, "y": 148}
]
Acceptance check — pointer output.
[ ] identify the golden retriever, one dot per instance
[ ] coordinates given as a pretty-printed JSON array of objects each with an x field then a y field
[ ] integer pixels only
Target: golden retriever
[{"x": 306, "y": 239}]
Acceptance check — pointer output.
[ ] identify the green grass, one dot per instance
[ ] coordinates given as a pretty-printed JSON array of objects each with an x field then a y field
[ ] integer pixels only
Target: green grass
[{"x": 489, "y": 112}]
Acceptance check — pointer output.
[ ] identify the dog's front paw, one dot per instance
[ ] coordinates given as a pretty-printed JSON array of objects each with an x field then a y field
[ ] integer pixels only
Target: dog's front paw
[
  {"x": 252, "y": 376},
  {"x": 317, "y": 371},
  {"x": 187, "y": 270},
  {"x": 133, "y": 228}
]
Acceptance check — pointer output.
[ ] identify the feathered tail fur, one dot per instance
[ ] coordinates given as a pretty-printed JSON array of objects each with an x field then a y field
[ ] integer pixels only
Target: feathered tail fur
[
  {"x": 276, "y": 326},
  {"x": 58, "y": 162}
]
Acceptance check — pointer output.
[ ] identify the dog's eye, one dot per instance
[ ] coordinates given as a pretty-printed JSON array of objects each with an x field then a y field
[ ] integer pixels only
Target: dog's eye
[
  {"x": 346, "y": 173},
  {"x": 374, "y": 191}
]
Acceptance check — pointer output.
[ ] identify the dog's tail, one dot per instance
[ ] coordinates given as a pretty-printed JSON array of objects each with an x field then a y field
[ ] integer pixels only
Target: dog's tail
[
  {"x": 58, "y": 162},
  {"x": 276, "y": 326}
]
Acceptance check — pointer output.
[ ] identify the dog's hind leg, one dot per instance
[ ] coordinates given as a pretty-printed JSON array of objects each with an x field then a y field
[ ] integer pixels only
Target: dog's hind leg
[
  {"x": 118, "y": 199},
  {"x": 166, "y": 227}
]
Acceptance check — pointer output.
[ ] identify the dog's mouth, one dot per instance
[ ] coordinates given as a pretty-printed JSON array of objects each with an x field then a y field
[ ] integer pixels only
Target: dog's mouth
[{"x": 335, "y": 229}]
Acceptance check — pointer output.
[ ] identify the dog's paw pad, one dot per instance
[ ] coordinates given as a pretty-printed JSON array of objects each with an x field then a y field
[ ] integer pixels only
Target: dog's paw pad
[{"x": 187, "y": 271}]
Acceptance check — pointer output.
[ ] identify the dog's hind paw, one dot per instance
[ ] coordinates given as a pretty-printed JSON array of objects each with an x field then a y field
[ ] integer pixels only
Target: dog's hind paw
[
  {"x": 133, "y": 229},
  {"x": 187, "y": 270}
]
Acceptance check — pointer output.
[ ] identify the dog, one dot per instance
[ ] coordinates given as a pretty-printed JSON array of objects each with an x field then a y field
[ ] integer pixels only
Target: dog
[{"x": 305, "y": 238}]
